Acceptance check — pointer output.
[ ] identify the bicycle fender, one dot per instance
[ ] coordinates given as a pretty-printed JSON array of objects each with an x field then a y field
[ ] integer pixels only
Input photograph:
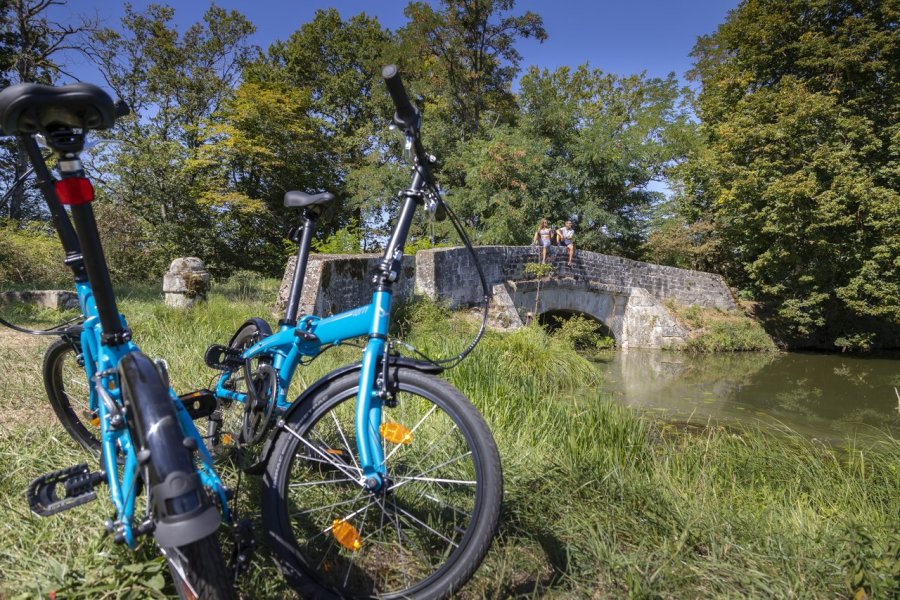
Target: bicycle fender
[
  {"x": 182, "y": 510},
  {"x": 261, "y": 325},
  {"x": 312, "y": 390}
]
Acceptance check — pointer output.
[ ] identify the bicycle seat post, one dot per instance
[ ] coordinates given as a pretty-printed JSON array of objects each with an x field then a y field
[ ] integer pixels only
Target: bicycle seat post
[
  {"x": 302, "y": 236},
  {"x": 75, "y": 190}
]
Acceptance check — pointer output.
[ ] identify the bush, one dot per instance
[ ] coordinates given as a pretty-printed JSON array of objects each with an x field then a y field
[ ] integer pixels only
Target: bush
[
  {"x": 714, "y": 330},
  {"x": 30, "y": 253},
  {"x": 584, "y": 334},
  {"x": 132, "y": 252}
]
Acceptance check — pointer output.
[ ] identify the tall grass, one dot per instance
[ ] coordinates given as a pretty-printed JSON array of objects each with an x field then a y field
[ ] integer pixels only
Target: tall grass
[{"x": 599, "y": 501}]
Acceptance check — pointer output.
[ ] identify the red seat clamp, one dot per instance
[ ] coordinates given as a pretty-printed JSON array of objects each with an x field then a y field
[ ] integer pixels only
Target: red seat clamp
[{"x": 73, "y": 191}]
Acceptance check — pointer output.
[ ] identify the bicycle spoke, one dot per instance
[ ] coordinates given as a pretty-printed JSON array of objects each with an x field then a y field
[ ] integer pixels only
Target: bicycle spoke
[
  {"x": 436, "y": 480},
  {"x": 360, "y": 532},
  {"x": 346, "y": 443},
  {"x": 425, "y": 526},
  {"x": 434, "y": 468},
  {"x": 411, "y": 431},
  {"x": 326, "y": 507},
  {"x": 336, "y": 464},
  {"x": 321, "y": 482}
]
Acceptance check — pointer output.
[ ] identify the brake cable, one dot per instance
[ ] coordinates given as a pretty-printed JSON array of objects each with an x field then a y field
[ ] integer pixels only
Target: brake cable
[
  {"x": 453, "y": 361},
  {"x": 55, "y": 330}
]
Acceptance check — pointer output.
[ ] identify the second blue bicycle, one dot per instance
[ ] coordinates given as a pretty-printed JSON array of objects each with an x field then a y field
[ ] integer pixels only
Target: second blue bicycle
[{"x": 380, "y": 479}]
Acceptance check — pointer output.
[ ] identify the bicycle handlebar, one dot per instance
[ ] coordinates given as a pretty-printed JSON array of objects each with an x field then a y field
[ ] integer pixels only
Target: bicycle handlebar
[
  {"x": 122, "y": 109},
  {"x": 407, "y": 116}
]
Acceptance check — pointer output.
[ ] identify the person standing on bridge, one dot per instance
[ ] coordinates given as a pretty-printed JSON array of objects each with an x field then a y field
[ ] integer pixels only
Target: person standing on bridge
[
  {"x": 566, "y": 237},
  {"x": 544, "y": 236}
]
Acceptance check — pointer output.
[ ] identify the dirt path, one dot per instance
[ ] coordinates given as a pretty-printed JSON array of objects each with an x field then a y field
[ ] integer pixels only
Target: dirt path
[{"x": 22, "y": 395}]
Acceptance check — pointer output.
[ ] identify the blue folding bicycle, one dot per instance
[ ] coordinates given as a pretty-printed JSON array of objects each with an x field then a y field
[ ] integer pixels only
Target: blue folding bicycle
[
  {"x": 114, "y": 400},
  {"x": 380, "y": 479}
]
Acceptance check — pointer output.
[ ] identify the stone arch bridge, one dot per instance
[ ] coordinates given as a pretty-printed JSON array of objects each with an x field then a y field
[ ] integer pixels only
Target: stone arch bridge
[{"x": 627, "y": 296}]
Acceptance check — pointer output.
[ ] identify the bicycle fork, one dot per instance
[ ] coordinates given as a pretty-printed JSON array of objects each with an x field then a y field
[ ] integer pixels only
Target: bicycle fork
[{"x": 369, "y": 400}]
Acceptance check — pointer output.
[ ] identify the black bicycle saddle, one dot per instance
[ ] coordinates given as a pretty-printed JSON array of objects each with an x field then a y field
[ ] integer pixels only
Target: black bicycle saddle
[
  {"x": 300, "y": 199},
  {"x": 32, "y": 108}
]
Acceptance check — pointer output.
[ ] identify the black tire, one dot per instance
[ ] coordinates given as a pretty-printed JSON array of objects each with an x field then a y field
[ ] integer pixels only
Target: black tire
[
  {"x": 198, "y": 571},
  {"x": 181, "y": 506},
  {"x": 446, "y": 473},
  {"x": 68, "y": 390},
  {"x": 228, "y": 427}
]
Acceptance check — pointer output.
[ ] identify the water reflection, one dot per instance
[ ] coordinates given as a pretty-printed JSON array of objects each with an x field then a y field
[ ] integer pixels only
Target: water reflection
[{"x": 820, "y": 395}]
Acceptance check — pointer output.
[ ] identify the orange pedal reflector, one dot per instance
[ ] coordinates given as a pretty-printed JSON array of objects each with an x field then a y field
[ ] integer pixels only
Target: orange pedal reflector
[
  {"x": 346, "y": 535},
  {"x": 95, "y": 421},
  {"x": 227, "y": 440},
  {"x": 395, "y": 433}
]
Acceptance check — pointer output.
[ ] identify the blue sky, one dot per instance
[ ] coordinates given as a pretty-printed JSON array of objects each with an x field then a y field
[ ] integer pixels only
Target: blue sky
[{"x": 655, "y": 36}]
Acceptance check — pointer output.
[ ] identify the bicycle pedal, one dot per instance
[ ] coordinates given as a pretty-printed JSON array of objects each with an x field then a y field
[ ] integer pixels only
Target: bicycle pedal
[
  {"x": 223, "y": 358},
  {"x": 201, "y": 403},
  {"x": 78, "y": 483}
]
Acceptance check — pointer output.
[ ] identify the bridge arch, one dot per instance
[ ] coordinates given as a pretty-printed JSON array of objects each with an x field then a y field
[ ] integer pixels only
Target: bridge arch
[
  {"x": 553, "y": 318},
  {"x": 634, "y": 318}
]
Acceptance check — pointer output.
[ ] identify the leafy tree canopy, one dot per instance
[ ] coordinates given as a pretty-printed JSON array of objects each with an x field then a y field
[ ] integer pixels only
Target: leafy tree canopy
[{"x": 799, "y": 181}]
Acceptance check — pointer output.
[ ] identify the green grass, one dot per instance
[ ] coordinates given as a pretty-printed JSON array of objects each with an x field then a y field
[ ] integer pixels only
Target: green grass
[{"x": 599, "y": 501}]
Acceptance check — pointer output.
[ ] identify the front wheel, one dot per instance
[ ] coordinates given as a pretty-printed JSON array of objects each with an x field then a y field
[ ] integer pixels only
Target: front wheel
[
  {"x": 199, "y": 572},
  {"x": 424, "y": 534}
]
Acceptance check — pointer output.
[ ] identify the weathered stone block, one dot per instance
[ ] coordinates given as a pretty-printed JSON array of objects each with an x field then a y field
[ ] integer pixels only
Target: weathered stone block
[
  {"x": 186, "y": 282},
  {"x": 53, "y": 299}
]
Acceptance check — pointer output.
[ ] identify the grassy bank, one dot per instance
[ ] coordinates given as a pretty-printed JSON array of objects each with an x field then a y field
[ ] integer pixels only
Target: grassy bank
[
  {"x": 714, "y": 330},
  {"x": 599, "y": 502}
]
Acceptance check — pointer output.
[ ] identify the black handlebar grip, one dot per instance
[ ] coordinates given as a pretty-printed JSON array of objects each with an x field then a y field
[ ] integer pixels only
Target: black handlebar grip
[
  {"x": 407, "y": 115},
  {"x": 121, "y": 109}
]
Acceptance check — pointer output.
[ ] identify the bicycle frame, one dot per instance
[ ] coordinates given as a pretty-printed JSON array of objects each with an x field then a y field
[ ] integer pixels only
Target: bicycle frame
[
  {"x": 286, "y": 349},
  {"x": 100, "y": 362},
  {"x": 288, "y": 346}
]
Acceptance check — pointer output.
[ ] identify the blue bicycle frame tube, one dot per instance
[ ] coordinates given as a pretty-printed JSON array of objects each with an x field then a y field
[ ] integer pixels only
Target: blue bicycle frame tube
[
  {"x": 286, "y": 349},
  {"x": 100, "y": 358}
]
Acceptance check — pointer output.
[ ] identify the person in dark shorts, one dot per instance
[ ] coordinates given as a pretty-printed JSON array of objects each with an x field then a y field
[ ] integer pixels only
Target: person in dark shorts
[
  {"x": 566, "y": 237},
  {"x": 544, "y": 236}
]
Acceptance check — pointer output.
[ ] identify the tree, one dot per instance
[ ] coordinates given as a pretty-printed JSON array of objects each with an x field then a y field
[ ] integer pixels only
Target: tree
[
  {"x": 337, "y": 63},
  {"x": 175, "y": 84},
  {"x": 466, "y": 53},
  {"x": 586, "y": 147},
  {"x": 31, "y": 44},
  {"x": 800, "y": 175}
]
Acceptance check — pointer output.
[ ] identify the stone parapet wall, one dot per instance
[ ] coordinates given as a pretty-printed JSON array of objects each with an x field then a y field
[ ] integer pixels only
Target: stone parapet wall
[
  {"x": 625, "y": 294},
  {"x": 450, "y": 274},
  {"x": 52, "y": 299},
  {"x": 338, "y": 282}
]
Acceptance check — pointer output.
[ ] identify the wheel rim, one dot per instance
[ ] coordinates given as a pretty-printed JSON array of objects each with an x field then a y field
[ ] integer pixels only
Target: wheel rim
[
  {"x": 72, "y": 386},
  {"x": 363, "y": 543}
]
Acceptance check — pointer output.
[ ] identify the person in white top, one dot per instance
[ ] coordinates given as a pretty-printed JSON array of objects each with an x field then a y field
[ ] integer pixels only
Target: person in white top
[{"x": 566, "y": 237}]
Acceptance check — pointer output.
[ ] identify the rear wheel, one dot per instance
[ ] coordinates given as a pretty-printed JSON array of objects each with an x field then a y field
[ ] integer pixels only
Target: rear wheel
[
  {"x": 199, "y": 572},
  {"x": 237, "y": 423},
  {"x": 70, "y": 395},
  {"x": 183, "y": 513},
  {"x": 424, "y": 534}
]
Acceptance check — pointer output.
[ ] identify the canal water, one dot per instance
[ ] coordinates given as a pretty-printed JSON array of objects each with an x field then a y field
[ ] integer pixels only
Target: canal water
[{"x": 822, "y": 396}]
